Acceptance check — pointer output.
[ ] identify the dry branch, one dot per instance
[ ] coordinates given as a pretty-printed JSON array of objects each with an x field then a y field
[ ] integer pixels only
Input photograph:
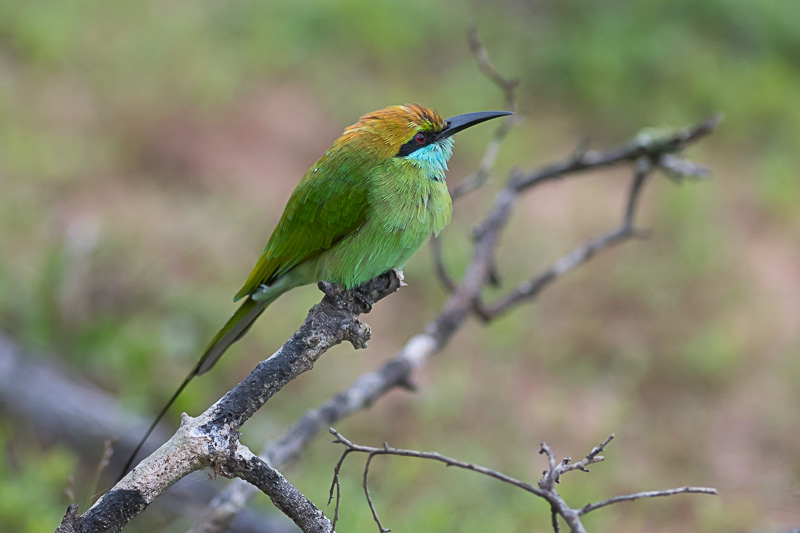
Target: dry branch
[
  {"x": 62, "y": 405},
  {"x": 211, "y": 439},
  {"x": 546, "y": 488}
]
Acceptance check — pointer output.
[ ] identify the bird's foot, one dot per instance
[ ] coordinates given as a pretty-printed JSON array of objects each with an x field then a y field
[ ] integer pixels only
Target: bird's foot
[{"x": 363, "y": 299}]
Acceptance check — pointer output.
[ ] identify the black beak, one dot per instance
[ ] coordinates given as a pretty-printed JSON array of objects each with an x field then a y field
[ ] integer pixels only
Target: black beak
[{"x": 462, "y": 122}]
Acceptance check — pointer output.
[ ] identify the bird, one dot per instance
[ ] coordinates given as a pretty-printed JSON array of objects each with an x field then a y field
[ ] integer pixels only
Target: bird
[{"x": 364, "y": 208}]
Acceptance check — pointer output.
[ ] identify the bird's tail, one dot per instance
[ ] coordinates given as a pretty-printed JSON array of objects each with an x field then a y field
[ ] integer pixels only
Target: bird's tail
[{"x": 231, "y": 332}]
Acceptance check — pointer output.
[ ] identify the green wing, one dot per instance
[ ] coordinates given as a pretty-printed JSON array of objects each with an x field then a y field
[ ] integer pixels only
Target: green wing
[{"x": 329, "y": 203}]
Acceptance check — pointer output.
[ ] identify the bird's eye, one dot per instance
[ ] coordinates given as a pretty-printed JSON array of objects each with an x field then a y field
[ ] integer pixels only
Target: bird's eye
[{"x": 420, "y": 138}]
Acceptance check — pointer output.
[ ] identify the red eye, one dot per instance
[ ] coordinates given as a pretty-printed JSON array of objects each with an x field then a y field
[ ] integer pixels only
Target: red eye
[{"x": 420, "y": 138}]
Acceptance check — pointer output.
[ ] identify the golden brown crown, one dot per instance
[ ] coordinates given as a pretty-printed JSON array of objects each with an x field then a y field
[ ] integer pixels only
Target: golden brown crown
[{"x": 387, "y": 129}]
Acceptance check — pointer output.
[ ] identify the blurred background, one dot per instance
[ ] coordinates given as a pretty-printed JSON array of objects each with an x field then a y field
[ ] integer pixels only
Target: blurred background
[{"x": 147, "y": 149}]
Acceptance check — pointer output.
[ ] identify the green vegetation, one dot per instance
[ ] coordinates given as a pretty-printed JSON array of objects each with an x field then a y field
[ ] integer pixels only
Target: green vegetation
[{"x": 147, "y": 149}]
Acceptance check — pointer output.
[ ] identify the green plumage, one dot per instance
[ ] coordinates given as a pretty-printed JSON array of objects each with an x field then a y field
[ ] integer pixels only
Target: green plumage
[
  {"x": 353, "y": 216},
  {"x": 364, "y": 208}
]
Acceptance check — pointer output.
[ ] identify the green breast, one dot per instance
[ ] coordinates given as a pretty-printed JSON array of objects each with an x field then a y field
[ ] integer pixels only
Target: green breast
[{"x": 405, "y": 207}]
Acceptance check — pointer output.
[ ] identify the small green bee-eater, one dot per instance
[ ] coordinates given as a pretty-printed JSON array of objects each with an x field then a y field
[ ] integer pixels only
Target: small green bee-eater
[{"x": 363, "y": 209}]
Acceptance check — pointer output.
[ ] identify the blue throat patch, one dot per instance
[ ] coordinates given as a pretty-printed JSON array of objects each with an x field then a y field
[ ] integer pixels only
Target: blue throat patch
[{"x": 433, "y": 158}]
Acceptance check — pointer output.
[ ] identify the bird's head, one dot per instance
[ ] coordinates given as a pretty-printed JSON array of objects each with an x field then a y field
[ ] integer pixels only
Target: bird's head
[{"x": 411, "y": 131}]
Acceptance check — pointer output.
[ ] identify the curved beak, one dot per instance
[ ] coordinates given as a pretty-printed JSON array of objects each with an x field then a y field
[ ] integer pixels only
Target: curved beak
[{"x": 462, "y": 122}]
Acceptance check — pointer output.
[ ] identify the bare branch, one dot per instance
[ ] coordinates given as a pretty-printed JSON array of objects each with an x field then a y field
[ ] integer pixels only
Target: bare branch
[
  {"x": 365, "y": 484},
  {"x": 644, "y": 149},
  {"x": 246, "y": 465},
  {"x": 211, "y": 439},
  {"x": 530, "y": 289},
  {"x": 638, "y": 146},
  {"x": 481, "y": 174},
  {"x": 647, "y": 494},
  {"x": 336, "y": 485},
  {"x": 508, "y": 86},
  {"x": 554, "y": 519},
  {"x": 546, "y": 487},
  {"x": 552, "y": 475},
  {"x": 433, "y": 456}
]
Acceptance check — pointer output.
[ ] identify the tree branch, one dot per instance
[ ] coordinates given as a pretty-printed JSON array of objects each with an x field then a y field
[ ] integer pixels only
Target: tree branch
[
  {"x": 478, "y": 178},
  {"x": 644, "y": 144},
  {"x": 249, "y": 467},
  {"x": 41, "y": 390},
  {"x": 646, "y": 494},
  {"x": 546, "y": 488},
  {"x": 211, "y": 439},
  {"x": 508, "y": 86}
]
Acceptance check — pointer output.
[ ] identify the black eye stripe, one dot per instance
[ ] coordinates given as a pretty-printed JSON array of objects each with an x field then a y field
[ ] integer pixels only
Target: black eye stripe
[{"x": 413, "y": 145}]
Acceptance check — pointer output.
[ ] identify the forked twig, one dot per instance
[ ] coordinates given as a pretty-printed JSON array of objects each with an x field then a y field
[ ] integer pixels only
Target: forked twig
[
  {"x": 546, "y": 488},
  {"x": 645, "y": 152}
]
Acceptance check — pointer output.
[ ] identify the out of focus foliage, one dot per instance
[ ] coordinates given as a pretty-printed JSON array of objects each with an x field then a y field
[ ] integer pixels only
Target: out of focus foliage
[{"x": 147, "y": 149}]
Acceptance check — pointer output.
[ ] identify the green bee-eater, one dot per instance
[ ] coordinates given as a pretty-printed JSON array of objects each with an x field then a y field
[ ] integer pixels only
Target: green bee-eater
[{"x": 364, "y": 208}]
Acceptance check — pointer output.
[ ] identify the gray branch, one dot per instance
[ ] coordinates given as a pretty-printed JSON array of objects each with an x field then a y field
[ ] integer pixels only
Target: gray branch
[
  {"x": 546, "y": 488},
  {"x": 646, "y": 494},
  {"x": 211, "y": 439},
  {"x": 62, "y": 405},
  {"x": 249, "y": 467}
]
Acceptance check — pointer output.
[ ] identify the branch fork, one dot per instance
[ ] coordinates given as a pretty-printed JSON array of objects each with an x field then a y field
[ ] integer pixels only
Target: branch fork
[
  {"x": 211, "y": 439},
  {"x": 545, "y": 489}
]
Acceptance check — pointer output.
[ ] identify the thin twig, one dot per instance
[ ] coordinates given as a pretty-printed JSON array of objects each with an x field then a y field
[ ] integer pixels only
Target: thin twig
[
  {"x": 530, "y": 289},
  {"x": 508, "y": 86},
  {"x": 554, "y": 519},
  {"x": 629, "y": 151},
  {"x": 553, "y": 475},
  {"x": 434, "y": 456},
  {"x": 548, "y": 477},
  {"x": 481, "y": 174},
  {"x": 365, "y": 484},
  {"x": 546, "y": 487},
  {"x": 641, "y": 170},
  {"x": 335, "y": 484},
  {"x": 647, "y": 494}
]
